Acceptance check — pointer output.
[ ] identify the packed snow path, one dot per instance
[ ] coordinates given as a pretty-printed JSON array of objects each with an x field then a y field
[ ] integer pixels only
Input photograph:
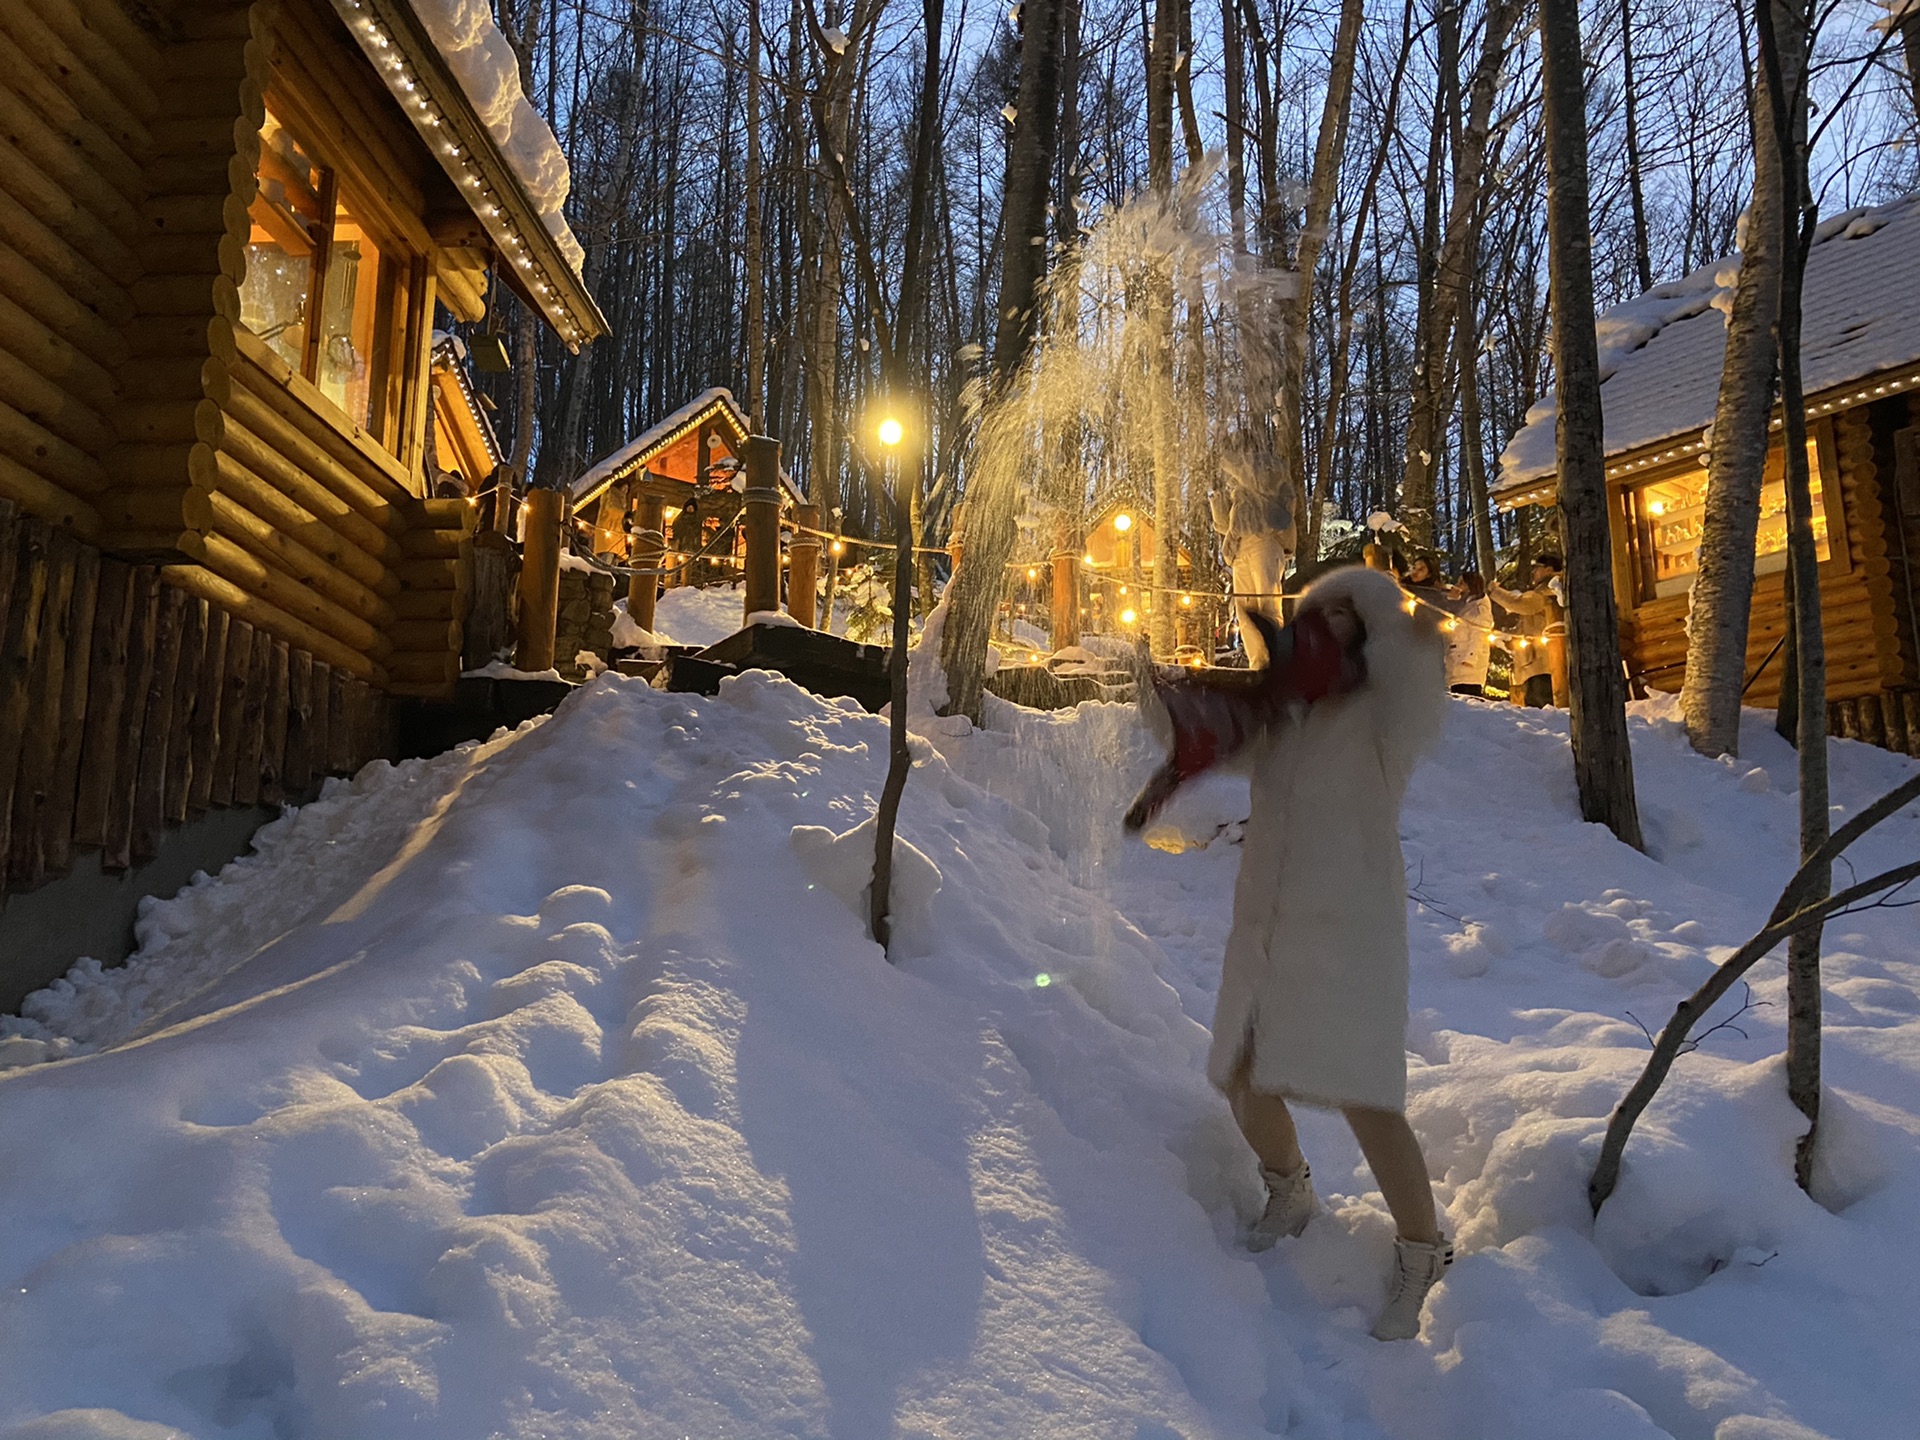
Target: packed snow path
[{"x": 551, "y": 1088}]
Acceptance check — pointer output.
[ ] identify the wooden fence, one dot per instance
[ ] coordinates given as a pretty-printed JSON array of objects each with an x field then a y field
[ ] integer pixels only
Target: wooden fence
[{"x": 128, "y": 704}]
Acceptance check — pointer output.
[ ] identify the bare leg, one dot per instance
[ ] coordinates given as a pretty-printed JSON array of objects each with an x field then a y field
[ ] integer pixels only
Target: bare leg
[
  {"x": 1394, "y": 1156},
  {"x": 1265, "y": 1121}
]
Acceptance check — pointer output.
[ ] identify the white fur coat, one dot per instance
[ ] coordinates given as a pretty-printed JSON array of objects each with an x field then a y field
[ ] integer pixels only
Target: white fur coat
[{"x": 1315, "y": 979}]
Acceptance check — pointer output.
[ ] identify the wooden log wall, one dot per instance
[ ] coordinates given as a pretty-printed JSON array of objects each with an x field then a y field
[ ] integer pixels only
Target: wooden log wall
[
  {"x": 437, "y": 580},
  {"x": 77, "y": 108},
  {"x": 134, "y": 410},
  {"x": 128, "y": 704},
  {"x": 1870, "y": 661}
]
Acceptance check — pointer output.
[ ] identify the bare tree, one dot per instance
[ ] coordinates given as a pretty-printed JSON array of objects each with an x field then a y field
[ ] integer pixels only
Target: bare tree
[
  {"x": 976, "y": 584},
  {"x": 1602, "y": 757},
  {"x": 1785, "y": 33},
  {"x": 1722, "y": 597}
]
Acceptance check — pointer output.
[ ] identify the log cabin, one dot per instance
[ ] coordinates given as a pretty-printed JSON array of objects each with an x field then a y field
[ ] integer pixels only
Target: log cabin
[
  {"x": 671, "y": 497},
  {"x": 1123, "y": 590},
  {"x": 229, "y": 528},
  {"x": 1661, "y": 360}
]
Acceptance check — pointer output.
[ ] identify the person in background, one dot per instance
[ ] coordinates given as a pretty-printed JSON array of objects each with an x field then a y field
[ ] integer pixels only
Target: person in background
[
  {"x": 1469, "y": 641},
  {"x": 1533, "y": 609}
]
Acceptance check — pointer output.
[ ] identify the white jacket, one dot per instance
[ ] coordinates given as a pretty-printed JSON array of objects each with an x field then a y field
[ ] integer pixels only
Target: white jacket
[
  {"x": 1469, "y": 642},
  {"x": 1315, "y": 978}
]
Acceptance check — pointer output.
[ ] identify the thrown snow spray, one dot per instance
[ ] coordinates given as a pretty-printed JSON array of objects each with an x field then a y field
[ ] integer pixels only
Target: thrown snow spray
[{"x": 1157, "y": 348}]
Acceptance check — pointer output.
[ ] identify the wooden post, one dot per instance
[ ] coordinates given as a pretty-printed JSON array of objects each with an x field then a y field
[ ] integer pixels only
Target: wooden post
[
  {"x": 539, "y": 581},
  {"x": 957, "y": 538},
  {"x": 21, "y": 647},
  {"x": 56, "y": 830},
  {"x": 761, "y": 523},
  {"x": 186, "y": 698},
  {"x": 106, "y": 697},
  {"x": 297, "y": 773},
  {"x": 208, "y": 707},
  {"x": 1066, "y": 589},
  {"x": 156, "y": 732},
  {"x": 142, "y": 646},
  {"x": 803, "y": 568},
  {"x": 40, "y": 741},
  {"x": 649, "y": 545}
]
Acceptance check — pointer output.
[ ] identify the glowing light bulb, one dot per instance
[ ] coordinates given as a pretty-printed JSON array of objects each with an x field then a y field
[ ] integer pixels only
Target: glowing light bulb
[
  {"x": 1087, "y": 558},
  {"x": 1127, "y": 617},
  {"x": 1657, "y": 507},
  {"x": 1032, "y": 574},
  {"x": 891, "y": 432},
  {"x": 1186, "y": 599},
  {"x": 1123, "y": 522}
]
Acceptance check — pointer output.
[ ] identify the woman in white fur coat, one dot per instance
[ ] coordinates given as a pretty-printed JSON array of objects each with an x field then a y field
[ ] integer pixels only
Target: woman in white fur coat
[{"x": 1313, "y": 995}]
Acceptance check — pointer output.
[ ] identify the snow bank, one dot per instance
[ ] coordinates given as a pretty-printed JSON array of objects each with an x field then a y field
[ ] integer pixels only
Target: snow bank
[
  {"x": 689, "y": 616},
  {"x": 507, "y": 1094},
  {"x": 484, "y": 64}
]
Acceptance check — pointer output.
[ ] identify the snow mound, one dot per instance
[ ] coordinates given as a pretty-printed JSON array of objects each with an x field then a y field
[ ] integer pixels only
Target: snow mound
[{"x": 553, "y": 1087}]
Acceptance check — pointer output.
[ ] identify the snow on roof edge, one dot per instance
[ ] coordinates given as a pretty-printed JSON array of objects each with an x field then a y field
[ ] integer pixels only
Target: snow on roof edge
[
  {"x": 605, "y": 469},
  {"x": 1626, "y": 328}
]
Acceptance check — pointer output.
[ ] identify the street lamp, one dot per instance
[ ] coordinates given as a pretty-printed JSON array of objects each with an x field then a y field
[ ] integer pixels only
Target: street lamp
[
  {"x": 891, "y": 432},
  {"x": 1123, "y": 522}
]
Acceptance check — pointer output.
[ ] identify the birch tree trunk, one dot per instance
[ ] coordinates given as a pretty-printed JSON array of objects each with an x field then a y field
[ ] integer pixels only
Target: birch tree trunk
[
  {"x": 992, "y": 499},
  {"x": 1329, "y": 154},
  {"x": 755, "y": 267},
  {"x": 1602, "y": 759},
  {"x": 1722, "y": 599},
  {"x": 1162, "y": 47},
  {"x": 1424, "y": 430}
]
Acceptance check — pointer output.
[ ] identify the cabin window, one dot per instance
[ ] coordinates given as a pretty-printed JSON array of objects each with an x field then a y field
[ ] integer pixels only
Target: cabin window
[
  {"x": 321, "y": 290},
  {"x": 1668, "y": 515}
]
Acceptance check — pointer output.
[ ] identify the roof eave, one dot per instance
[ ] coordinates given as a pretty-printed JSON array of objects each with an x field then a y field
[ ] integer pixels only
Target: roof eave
[{"x": 527, "y": 253}]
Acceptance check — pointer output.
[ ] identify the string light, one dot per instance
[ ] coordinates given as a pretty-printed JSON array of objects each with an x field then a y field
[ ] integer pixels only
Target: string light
[{"x": 412, "y": 94}]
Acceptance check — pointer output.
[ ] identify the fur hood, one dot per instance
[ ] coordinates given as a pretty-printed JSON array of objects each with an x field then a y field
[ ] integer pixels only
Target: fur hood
[{"x": 1406, "y": 660}]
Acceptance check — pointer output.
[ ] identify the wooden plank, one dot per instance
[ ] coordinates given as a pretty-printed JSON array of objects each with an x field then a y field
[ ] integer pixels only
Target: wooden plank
[
  {"x": 56, "y": 817},
  {"x": 106, "y": 697},
  {"x": 1873, "y": 728},
  {"x": 253, "y": 723},
  {"x": 1910, "y": 706},
  {"x": 26, "y": 862},
  {"x": 116, "y": 852},
  {"x": 233, "y": 704},
  {"x": 9, "y": 553},
  {"x": 339, "y": 725},
  {"x": 207, "y": 706},
  {"x": 1894, "y": 717},
  {"x": 320, "y": 745},
  {"x": 19, "y": 650},
  {"x": 157, "y": 735},
  {"x": 296, "y": 776},
  {"x": 186, "y": 699},
  {"x": 274, "y": 757}
]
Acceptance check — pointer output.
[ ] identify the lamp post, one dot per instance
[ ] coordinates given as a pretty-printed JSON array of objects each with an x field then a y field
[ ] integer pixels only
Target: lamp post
[{"x": 890, "y": 433}]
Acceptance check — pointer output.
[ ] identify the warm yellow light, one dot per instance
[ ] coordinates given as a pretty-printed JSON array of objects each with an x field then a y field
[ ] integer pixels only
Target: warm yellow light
[
  {"x": 838, "y": 548},
  {"x": 1032, "y": 574},
  {"x": 1123, "y": 521},
  {"x": 1035, "y": 656},
  {"x": 1186, "y": 599},
  {"x": 890, "y": 432},
  {"x": 1198, "y": 662},
  {"x": 1123, "y": 589},
  {"x": 1412, "y": 605},
  {"x": 1657, "y": 507},
  {"x": 1127, "y": 617},
  {"x": 1451, "y": 625}
]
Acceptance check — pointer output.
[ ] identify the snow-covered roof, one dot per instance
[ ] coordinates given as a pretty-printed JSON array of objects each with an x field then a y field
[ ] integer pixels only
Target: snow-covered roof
[
  {"x": 1661, "y": 353},
  {"x": 458, "y": 80},
  {"x": 715, "y": 404}
]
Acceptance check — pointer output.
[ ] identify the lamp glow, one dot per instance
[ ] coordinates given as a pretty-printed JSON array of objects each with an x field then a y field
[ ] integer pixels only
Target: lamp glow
[
  {"x": 891, "y": 432},
  {"x": 1127, "y": 617},
  {"x": 1123, "y": 522}
]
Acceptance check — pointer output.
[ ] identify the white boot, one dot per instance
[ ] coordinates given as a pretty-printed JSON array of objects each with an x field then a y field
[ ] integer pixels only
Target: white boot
[
  {"x": 1289, "y": 1206},
  {"x": 1417, "y": 1269}
]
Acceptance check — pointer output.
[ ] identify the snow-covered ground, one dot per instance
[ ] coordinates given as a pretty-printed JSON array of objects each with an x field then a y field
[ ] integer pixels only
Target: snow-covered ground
[{"x": 552, "y": 1088}]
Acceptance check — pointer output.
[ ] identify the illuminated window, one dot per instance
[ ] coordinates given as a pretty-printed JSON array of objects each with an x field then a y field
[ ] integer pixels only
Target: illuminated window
[
  {"x": 1669, "y": 513},
  {"x": 290, "y": 213},
  {"x": 320, "y": 290}
]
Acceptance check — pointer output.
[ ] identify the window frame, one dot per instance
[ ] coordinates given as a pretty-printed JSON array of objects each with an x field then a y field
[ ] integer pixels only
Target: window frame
[
  {"x": 396, "y": 347},
  {"x": 1635, "y": 552}
]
